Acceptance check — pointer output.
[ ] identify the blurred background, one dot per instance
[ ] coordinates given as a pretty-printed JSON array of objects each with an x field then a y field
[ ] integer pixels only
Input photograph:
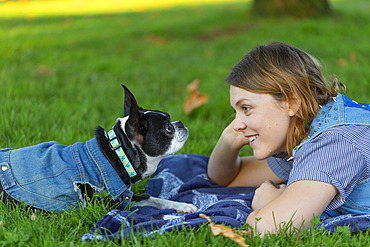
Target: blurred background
[{"x": 62, "y": 62}]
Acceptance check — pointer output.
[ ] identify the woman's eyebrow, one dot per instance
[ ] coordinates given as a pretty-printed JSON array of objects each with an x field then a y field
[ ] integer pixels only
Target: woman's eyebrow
[{"x": 242, "y": 99}]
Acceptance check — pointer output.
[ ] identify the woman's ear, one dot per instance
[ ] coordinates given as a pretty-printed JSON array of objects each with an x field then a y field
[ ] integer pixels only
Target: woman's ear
[{"x": 294, "y": 105}]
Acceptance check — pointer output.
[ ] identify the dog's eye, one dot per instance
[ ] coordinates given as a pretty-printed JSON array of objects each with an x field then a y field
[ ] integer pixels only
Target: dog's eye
[{"x": 169, "y": 128}]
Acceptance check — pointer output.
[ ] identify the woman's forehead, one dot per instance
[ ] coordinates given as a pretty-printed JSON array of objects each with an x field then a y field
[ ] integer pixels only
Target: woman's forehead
[{"x": 238, "y": 95}]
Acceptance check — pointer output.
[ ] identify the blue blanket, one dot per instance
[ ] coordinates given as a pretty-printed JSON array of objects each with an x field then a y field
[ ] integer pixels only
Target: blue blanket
[{"x": 183, "y": 178}]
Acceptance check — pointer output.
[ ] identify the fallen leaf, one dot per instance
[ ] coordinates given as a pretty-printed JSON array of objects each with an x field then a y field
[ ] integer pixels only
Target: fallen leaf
[
  {"x": 72, "y": 43},
  {"x": 152, "y": 15},
  {"x": 120, "y": 48},
  {"x": 195, "y": 99},
  {"x": 209, "y": 53},
  {"x": 43, "y": 70},
  {"x": 342, "y": 62},
  {"x": 68, "y": 22},
  {"x": 158, "y": 40},
  {"x": 225, "y": 231},
  {"x": 353, "y": 57}
]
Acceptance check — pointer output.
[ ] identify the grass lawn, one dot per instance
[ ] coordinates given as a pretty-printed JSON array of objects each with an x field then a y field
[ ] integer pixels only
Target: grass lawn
[{"x": 60, "y": 76}]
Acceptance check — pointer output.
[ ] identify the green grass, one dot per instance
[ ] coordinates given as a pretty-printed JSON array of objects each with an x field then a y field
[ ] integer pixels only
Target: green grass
[{"x": 155, "y": 53}]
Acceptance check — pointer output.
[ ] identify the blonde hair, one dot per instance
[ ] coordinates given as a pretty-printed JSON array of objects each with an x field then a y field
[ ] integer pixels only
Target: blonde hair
[{"x": 288, "y": 74}]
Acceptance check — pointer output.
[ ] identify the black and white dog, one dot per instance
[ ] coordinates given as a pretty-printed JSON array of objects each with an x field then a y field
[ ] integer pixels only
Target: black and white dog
[{"x": 52, "y": 176}]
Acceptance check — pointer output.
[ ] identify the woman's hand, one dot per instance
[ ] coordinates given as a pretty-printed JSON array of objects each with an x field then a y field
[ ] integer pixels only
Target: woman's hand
[
  {"x": 234, "y": 139},
  {"x": 266, "y": 193}
]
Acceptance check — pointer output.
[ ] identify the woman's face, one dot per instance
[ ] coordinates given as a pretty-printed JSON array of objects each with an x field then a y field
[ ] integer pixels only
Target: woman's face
[{"x": 262, "y": 119}]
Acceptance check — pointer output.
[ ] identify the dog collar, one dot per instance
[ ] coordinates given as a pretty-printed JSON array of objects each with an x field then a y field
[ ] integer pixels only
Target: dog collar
[{"x": 116, "y": 146}]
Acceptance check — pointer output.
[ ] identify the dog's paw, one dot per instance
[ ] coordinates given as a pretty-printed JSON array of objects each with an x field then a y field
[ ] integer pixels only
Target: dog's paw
[
  {"x": 187, "y": 208},
  {"x": 170, "y": 217}
]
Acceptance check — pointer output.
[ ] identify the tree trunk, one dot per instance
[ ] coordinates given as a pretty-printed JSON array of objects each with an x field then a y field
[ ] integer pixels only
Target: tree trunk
[{"x": 293, "y": 8}]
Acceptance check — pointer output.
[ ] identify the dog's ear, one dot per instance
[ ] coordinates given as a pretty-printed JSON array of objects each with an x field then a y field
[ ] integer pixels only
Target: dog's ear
[
  {"x": 135, "y": 113},
  {"x": 130, "y": 106}
]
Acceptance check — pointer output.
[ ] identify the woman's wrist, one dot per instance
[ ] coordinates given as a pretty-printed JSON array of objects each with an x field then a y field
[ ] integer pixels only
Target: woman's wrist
[{"x": 233, "y": 140}]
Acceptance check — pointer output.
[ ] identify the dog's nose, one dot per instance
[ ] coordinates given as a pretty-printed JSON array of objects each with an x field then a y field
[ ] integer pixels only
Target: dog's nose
[{"x": 179, "y": 124}]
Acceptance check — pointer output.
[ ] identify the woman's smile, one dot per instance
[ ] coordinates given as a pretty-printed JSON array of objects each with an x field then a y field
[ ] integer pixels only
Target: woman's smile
[{"x": 252, "y": 138}]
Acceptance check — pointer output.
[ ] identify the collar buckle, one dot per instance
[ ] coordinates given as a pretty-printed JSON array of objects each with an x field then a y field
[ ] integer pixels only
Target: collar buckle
[{"x": 114, "y": 143}]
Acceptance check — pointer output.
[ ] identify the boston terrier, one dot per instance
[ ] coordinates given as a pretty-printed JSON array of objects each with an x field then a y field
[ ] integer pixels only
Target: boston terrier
[{"x": 55, "y": 177}]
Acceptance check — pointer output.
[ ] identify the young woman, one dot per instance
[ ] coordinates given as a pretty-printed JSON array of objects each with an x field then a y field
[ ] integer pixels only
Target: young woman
[{"x": 311, "y": 145}]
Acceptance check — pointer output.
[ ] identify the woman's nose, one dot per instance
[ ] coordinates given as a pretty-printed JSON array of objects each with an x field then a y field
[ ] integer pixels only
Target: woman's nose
[{"x": 239, "y": 124}]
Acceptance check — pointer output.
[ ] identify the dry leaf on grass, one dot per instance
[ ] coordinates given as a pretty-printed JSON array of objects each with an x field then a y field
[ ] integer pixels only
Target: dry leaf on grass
[
  {"x": 43, "y": 70},
  {"x": 225, "y": 231},
  {"x": 342, "y": 62},
  {"x": 195, "y": 99},
  {"x": 352, "y": 58},
  {"x": 158, "y": 40}
]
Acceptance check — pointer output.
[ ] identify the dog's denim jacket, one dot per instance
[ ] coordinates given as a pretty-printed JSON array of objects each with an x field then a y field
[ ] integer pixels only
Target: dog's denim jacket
[
  {"x": 47, "y": 175},
  {"x": 342, "y": 110}
]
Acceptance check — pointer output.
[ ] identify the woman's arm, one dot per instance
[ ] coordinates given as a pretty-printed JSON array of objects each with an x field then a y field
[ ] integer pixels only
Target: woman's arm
[
  {"x": 299, "y": 202},
  {"x": 224, "y": 162},
  {"x": 253, "y": 173}
]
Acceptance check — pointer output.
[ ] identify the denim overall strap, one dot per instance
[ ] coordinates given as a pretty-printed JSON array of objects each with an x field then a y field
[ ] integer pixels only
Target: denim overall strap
[{"x": 340, "y": 110}]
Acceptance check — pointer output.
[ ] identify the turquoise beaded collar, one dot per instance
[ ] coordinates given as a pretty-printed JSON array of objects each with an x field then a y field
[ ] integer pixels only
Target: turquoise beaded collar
[{"x": 116, "y": 146}]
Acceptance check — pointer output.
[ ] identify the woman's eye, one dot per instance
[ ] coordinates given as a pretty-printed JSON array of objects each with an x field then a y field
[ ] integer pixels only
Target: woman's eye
[{"x": 246, "y": 109}]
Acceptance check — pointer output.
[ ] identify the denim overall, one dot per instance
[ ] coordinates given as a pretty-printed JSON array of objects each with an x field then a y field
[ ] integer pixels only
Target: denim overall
[
  {"x": 342, "y": 111},
  {"x": 47, "y": 175}
]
